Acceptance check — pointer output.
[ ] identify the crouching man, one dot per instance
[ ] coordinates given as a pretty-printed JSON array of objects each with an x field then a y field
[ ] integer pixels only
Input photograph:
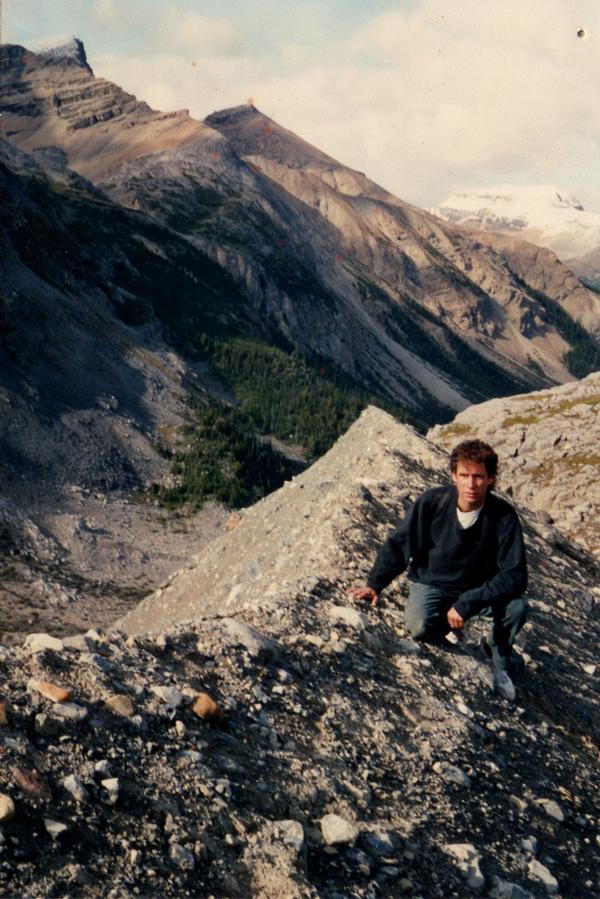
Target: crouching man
[{"x": 463, "y": 547}]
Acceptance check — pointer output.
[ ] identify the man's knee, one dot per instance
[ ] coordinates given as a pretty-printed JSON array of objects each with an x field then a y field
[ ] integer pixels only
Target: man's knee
[
  {"x": 417, "y": 626},
  {"x": 515, "y": 613}
]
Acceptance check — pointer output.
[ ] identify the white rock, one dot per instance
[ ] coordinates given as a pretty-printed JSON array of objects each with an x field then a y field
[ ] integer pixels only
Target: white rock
[
  {"x": 291, "y": 833},
  {"x": 54, "y": 828},
  {"x": 40, "y": 642},
  {"x": 552, "y": 808},
  {"x": 69, "y": 711},
  {"x": 468, "y": 863},
  {"x": 169, "y": 695},
  {"x": 350, "y": 616},
  {"x": 111, "y": 785},
  {"x": 74, "y": 785},
  {"x": 7, "y": 809},
  {"x": 540, "y": 872},
  {"x": 337, "y": 830},
  {"x": 182, "y": 857},
  {"x": 452, "y": 774},
  {"x": 504, "y": 889},
  {"x": 256, "y": 643}
]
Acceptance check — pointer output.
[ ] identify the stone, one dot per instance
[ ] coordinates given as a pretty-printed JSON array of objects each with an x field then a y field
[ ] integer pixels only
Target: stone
[
  {"x": 120, "y": 704},
  {"x": 540, "y": 872},
  {"x": 378, "y": 843},
  {"x": 70, "y": 711},
  {"x": 182, "y": 857},
  {"x": 171, "y": 696},
  {"x": 79, "y": 643},
  {"x": 409, "y": 647},
  {"x": 256, "y": 643},
  {"x": 75, "y": 786},
  {"x": 31, "y": 782},
  {"x": 103, "y": 768},
  {"x": 530, "y": 844},
  {"x": 337, "y": 830},
  {"x": 40, "y": 642},
  {"x": 348, "y": 615},
  {"x": 111, "y": 785},
  {"x": 7, "y": 809},
  {"x": 51, "y": 691},
  {"x": 291, "y": 833},
  {"x": 47, "y": 725},
  {"x": 504, "y": 889},
  {"x": 552, "y": 809},
  {"x": 54, "y": 828},
  {"x": 3, "y": 713},
  {"x": 468, "y": 864},
  {"x": 205, "y": 707},
  {"x": 452, "y": 774}
]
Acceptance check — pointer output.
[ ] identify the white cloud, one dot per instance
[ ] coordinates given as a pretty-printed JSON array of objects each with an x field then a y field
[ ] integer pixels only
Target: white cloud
[{"x": 443, "y": 96}]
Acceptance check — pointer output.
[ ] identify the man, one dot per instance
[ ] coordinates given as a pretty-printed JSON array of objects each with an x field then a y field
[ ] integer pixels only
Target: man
[{"x": 463, "y": 547}]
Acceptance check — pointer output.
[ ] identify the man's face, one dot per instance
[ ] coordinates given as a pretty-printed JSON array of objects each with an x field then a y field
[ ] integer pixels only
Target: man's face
[{"x": 472, "y": 483}]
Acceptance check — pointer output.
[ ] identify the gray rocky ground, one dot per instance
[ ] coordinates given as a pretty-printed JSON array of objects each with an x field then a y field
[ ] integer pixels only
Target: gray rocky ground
[{"x": 342, "y": 759}]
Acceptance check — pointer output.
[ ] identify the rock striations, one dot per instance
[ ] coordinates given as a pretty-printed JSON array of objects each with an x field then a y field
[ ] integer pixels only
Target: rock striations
[
  {"x": 249, "y": 732},
  {"x": 549, "y": 445}
]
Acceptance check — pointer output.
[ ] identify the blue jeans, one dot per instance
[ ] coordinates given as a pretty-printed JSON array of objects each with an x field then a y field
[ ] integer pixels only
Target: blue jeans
[{"x": 425, "y": 618}]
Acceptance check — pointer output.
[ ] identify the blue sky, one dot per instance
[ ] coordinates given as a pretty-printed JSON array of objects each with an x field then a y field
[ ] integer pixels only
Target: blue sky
[{"x": 425, "y": 96}]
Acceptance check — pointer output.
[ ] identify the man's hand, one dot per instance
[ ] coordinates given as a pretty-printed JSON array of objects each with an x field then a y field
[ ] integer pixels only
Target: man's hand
[
  {"x": 454, "y": 619},
  {"x": 364, "y": 593}
]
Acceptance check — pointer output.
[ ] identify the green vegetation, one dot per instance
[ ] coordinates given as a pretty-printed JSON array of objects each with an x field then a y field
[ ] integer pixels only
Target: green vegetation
[
  {"x": 287, "y": 397},
  {"x": 225, "y": 461},
  {"x": 456, "y": 430},
  {"x": 521, "y": 420}
]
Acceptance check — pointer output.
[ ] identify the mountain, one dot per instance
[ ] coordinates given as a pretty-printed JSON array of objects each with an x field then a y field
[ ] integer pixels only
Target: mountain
[
  {"x": 341, "y": 759},
  {"x": 541, "y": 215},
  {"x": 334, "y": 267},
  {"x": 548, "y": 442}
]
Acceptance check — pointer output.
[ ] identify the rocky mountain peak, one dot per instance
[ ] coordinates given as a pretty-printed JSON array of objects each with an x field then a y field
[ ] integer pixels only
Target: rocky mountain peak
[{"x": 70, "y": 50}]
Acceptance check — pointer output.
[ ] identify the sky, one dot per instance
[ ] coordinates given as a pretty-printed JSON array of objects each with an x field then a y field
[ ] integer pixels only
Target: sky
[{"x": 427, "y": 97}]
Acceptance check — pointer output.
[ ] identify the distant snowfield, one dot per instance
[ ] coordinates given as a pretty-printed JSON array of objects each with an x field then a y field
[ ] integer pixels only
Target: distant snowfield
[{"x": 541, "y": 213}]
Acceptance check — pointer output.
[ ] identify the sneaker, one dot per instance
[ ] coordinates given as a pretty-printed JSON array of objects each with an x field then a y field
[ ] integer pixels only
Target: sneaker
[
  {"x": 456, "y": 637},
  {"x": 504, "y": 686}
]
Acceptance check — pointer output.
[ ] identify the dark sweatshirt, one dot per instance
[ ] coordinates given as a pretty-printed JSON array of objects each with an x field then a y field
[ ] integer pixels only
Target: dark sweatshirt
[{"x": 481, "y": 565}]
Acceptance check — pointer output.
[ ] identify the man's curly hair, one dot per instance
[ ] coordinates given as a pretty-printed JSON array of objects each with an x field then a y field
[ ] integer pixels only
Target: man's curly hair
[{"x": 475, "y": 451}]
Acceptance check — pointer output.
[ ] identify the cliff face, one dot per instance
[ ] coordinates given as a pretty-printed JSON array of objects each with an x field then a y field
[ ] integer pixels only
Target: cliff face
[
  {"x": 344, "y": 759},
  {"x": 333, "y": 265}
]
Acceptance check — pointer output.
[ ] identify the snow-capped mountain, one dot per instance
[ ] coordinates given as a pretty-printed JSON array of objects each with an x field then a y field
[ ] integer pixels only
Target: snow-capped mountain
[{"x": 540, "y": 214}]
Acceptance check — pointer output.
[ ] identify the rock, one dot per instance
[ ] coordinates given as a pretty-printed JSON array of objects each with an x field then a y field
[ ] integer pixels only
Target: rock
[
  {"x": 540, "y": 872},
  {"x": 7, "y": 809},
  {"x": 530, "y": 844},
  {"x": 552, "y": 808},
  {"x": 348, "y": 615},
  {"x": 337, "y": 830},
  {"x": 103, "y": 768},
  {"x": 31, "y": 782},
  {"x": 47, "y": 725},
  {"x": 171, "y": 696},
  {"x": 120, "y": 704},
  {"x": 79, "y": 643},
  {"x": 409, "y": 647},
  {"x": 182, "y": 857},
  {"x": 70, "y": 711},
  {"x": 468, "y": 863},
  {"x": 75, "y": 786},
  {"x": 54, "y": 828},
  {"x": 378, "y": 843},
  {"x": 111, "y": 785},
  {"x": 291, "y": 833},
  {"x": 452, "y": 774},
  {"x": 256, "y": 643},
  {"x": 3, "y": 713},
  {"x": 205, "y": 707},
  {"x": 504, "y": 889},
  {"x": 40, "y": 642},
  {"x": 50, "y": 691}
]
